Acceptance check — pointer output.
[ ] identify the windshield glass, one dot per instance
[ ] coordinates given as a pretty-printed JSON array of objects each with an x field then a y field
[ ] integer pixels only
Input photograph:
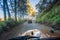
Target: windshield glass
[{"x": 38, "y": 18}]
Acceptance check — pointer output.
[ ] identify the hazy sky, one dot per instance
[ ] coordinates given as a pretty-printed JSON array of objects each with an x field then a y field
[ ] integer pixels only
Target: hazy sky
[
  {"x": 1, "y": 13},
  {"x": 33, "y": 3}
]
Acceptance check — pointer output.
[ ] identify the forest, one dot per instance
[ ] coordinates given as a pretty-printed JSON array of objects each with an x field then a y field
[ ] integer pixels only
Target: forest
[
  {"x": 49, "y": 13},
  {"x": 13, "y": 11}
]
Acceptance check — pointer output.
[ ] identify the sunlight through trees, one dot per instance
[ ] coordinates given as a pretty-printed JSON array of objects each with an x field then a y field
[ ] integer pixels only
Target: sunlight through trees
[{"x": 30, "y": 9}]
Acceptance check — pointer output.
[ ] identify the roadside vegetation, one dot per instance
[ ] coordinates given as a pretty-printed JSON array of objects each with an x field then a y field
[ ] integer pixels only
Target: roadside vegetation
[
  {"x": 10, "y": 7},
  {"x": 49, "y": 15},
  {"x": 9, "y": 24}
]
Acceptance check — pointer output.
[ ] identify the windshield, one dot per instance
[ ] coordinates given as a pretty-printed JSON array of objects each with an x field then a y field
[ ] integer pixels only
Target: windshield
[{"x": 38, "y": 18}]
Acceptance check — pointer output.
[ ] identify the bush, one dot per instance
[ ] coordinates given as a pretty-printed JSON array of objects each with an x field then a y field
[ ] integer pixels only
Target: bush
[
  {"x": 1, "y": 29},
  {"x": 38, "y": 20},
  {"x": 3, "y": 26},
  {"x": 8, "y": 24},
  {"x": 11, "y": 23},
  {"x": 51, "y": 17}
]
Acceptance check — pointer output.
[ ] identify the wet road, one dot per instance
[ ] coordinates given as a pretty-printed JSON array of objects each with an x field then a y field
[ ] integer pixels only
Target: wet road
[{"x": 17, "y": 31}]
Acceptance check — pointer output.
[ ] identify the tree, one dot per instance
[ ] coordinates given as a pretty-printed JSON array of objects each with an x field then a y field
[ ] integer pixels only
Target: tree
[
  {"x": 5, "y": 6},
  {"x": 23, "y": 7},
  {"x": 15, "y": 10},
  {"x": 51, "y": 15},
  {"x": 30, "y": 10}
]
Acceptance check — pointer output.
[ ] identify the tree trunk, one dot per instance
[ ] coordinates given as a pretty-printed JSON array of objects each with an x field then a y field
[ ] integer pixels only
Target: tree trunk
[
  {"x": 15, "y": 11},
  {"x": 4, "y": 10},
  {"x": 9, "y": 16},
  {"x": 5, "y": 5}
]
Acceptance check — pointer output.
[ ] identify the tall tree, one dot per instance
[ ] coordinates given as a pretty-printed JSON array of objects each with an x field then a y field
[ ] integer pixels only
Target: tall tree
[
  {"x": 22, "y": 6},
  {"x": 15, "y": 10},
  {"x": 4, "y": 9},
  {"x": 5, "y": 6}
]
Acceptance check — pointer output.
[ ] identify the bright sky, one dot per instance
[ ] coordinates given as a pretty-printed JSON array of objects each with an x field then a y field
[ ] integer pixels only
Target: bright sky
[
  {"x": 1, "y": 13},
  {"x": 33, "y": 3}
]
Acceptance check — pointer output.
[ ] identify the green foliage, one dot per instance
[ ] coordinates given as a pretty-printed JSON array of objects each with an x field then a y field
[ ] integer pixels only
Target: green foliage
[
  {"x": 51, "y": 16},
  {"x": 8, "y": 24},
  {"x": 1, "y": 26},
  {"x": 38, "y": 20}
]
